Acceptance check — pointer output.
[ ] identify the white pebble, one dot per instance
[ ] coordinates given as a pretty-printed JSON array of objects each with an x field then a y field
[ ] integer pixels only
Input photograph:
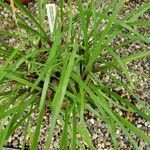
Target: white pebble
[
  {"x": 55, "y": 144},
  {"x": 138, "y": 46},
  {"x": 108, "y": 143},
  {"x": 15, "y": 143},
  {"x": 117, "y": 132},
  {"x": 94, "y": 136},
  {"x": 102, "y": 145},
  {"x": 146, "y": 124},
  {"x": 92, "y": 121},
  {"x": 139, "y": 126}
]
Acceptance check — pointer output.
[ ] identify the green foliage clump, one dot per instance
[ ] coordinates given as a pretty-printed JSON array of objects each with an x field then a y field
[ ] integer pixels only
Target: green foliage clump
[{"x": 68, "y": 63}]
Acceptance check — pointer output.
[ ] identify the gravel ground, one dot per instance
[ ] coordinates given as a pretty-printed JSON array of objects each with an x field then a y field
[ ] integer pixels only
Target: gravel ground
[{"x": 96, "y": 127}]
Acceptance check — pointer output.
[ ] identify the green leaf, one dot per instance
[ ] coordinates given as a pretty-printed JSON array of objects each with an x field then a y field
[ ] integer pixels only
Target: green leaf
[
  {"x": 60, "y": 93},
  {"x": 64, "y": 137}
]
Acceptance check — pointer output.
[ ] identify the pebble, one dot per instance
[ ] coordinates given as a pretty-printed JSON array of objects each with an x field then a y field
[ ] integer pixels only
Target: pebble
[
  {"x": 139, "y": 125},
  {"x": 15, "y": 143},
  {"x": 102, "y": 145},
  {"x": 108, "y": 143},
  {"x": 92, "y": 121},
  {"x": 94, "y": 136},
  {"x": 117, "y": 132},
  {"x": 55, "y": 144}
]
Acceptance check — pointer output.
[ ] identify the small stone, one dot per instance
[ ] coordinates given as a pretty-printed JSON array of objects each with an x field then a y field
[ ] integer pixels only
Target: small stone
[
  {"x": 108, "y": 143},
  {"x": 137, "y": 46},
  {"x": 142, "y": 144},
  {"x": 55, "y": 144},
  {"x": 117, "y": 132},
  {"x": 102, "y": 145},
  {"x": 127, "y": 1},
  {"x": 15, "y": 143},
  {"x": 146, "y": 124},
  {"x": 139, "y": 126},
  {"x": 15, "y": 135},
  {"x": 101, "y": 139},
  {"x": 120, "y": 112},
  {"x": 94, "y": 136},
  {"x": 92, "y": 121}
]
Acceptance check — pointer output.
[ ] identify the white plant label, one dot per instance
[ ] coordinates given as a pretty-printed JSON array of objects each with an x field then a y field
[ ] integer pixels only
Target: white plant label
[{"x": 51, "y": 12}]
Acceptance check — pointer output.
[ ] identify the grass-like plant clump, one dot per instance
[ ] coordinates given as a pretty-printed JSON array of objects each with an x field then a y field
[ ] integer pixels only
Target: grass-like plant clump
[{"x": 60, "y": 72}]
